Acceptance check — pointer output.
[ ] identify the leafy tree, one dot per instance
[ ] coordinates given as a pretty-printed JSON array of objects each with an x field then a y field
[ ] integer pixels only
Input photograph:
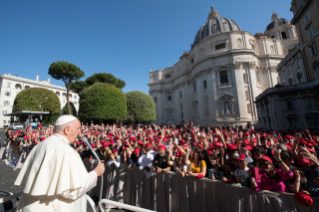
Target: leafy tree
[
  {"x": 78, "y": 86},
  {"x": 102, "y": 102},
  {"x": 67, "y": 72},
  {"x": 105, "y": 78},
  {"x": 38, "y": 99},
  {"x": 66, "y": 111},
  {"x": 141, "y": 107}
]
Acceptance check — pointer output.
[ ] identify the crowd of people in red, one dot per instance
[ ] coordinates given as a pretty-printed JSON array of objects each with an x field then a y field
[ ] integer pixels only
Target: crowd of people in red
[{"x": 280, "y": 161}]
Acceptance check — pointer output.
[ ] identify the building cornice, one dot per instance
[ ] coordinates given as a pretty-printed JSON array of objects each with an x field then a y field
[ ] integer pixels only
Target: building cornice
[
  {"x": 301, "y": 10},
  {"x": 33, "y": 82}
]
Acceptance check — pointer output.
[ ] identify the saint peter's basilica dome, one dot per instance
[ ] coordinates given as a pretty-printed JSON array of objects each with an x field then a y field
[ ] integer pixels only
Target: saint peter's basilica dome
[{"x": 215, "y": 25}]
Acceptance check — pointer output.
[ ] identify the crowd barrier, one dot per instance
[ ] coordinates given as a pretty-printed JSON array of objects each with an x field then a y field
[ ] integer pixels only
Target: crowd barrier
[{"x": 168, "y": 191}]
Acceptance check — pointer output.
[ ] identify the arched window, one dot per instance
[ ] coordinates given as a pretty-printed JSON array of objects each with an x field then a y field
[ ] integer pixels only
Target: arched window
[
  {"x": 245, "y": 79},
  {"x": 26, "y": 87},
  {"x": 18, "y": 87},
  {"x": 248, "y": 108},
  {"x": 6, "y": 103},
  {"x": 57, "y": 93},
  {"x": 227, "y": 109},
  {"x": 283, "y": 35},
  {"x": 7, "y": 93},
  {"x": 204, "y": 84},
  {"x": 253, "y": 46},
  {"x": 239, "y": 43},
  {"x": 70, "y": 95},
  {"x": 64, "y": 94},
  {"x": 194, "y": 86}
]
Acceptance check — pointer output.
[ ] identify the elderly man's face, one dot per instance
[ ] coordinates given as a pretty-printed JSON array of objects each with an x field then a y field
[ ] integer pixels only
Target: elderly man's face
[{"x": 74, "y": 130}]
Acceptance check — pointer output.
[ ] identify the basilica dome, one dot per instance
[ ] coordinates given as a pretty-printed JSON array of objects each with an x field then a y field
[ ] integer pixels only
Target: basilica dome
[
  {"x": 276, "y": 21},
  {"x": 215, "y": 25}
]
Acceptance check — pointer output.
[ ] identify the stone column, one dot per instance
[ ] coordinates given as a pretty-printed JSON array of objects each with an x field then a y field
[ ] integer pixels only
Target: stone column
[{"x": 240, "y": 85}]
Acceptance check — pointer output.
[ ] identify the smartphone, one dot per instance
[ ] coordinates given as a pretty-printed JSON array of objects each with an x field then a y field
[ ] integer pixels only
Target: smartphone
[{"x": 210, "y": 173}]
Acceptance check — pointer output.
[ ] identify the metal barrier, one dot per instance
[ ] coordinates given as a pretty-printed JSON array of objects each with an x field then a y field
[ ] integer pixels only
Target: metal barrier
[{"x": 121, "y": 205}]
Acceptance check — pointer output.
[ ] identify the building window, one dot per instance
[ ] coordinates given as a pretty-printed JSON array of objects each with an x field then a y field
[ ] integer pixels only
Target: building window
[
  {"x": 74, "y": 96},
  {"x": 205, "y": 84},
  {"x": 306, "y": 17},
  {"x": 167, "y": 76},
  {"x": 192, "y": 60},
  {"x": 313, "y": 50},
  {"x": 4, "y": 112},
  {"x": 4, "y": 122},
  {"x": 309, "y": 32},
  {"x": 248, "y": 108},
  {"x": 180, "y": 94},
  {"x": 258, "y": 76},
  {"x": 227, "y": 109},
  {"x": 220, "y": 46},
  {"x": 312, "y": 120},
  {"x": 253, "y": 46},
  {"x": 223, "y": 77},
  {"x": 283, "y": 35},
  {"x": 155, "y": 100},
  {"x": 299, "y": 77},
  {"x": 70, "y": 95},
  {"x": 181, "y": 106},
  {"x": 26, "y": 87},
  {"x": 290, "y": 81},
  {"x": 7, "y": 93},
  {"x": 289, "y": 105},
  {"x": 57, "y": 93},
  {"x": 245, "y": 79},
  {"x": 182, "y": 115},
  {"x": 194, "y": 86},
  {"x": 18, "y": 87},
  {"x": 207, "y": 111},
  {"x": 247, "y": 95},
  {"x": 293, "y": 122},
  {"x": 6, "y": 103},
  {"x": 169, "y": 98},
  {"x": 8, "y": 85}
]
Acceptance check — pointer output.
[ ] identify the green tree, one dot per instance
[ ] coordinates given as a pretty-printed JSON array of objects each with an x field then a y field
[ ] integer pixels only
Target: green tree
[
  {"x": 38, "y": 99},
  {"x": 102, "y": 102},
  {"x": 67, "y": 72},
  {"x": 105, "y": 78},
  {"x": 141, "y": 107},
  {"x": 78, "y": 86}
]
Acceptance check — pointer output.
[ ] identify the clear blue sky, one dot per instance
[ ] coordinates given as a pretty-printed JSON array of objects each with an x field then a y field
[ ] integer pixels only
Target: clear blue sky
[{"x": 125, "y": 38}]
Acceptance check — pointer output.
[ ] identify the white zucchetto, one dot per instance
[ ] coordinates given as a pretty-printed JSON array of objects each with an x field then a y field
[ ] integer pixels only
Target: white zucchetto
[{"x": 64, "y": 120}]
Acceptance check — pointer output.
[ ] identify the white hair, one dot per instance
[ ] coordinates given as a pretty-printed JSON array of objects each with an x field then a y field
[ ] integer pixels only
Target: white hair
[{"x": 60, "y": 128}]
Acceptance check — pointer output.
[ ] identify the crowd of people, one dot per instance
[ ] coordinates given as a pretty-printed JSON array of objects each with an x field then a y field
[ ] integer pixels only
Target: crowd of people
[{"x": 280, "y": 161}]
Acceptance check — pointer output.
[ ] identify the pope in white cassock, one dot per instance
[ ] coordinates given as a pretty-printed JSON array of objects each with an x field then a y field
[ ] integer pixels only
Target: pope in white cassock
[{"x": 54, "y": 176}]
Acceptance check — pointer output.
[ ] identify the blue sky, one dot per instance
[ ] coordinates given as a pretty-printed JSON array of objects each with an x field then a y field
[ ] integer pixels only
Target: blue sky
[{"x": 123, "y": 37}]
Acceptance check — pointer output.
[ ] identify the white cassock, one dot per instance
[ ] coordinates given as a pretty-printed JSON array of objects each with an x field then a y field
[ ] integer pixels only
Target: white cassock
[{"x": 54, "y": 178}]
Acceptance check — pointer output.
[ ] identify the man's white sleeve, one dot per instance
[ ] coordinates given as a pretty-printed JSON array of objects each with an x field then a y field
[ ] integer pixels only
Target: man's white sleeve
[
  {"x": 89, "y": 184},
  {"x": 118, "y": 162}
]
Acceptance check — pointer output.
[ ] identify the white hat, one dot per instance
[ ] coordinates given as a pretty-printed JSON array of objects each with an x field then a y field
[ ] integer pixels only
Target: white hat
[{"x": 64, "y": 120}]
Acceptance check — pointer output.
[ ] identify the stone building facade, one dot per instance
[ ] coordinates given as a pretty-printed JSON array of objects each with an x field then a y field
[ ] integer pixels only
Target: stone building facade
[
  {"x": 217, "y": 82},
  {"x": 294, "y": 102},
  {"x": 10, "y": 86}
]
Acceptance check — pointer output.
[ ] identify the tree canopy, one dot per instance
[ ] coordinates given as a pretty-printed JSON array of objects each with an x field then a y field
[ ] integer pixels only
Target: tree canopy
[
  {"x": 78, "y": 86},
  {"x": 105, "y": 78},
  {"x": 67, "y": 72},
  {"x": 37, "y": 99},
  {"x": 140, "y": 107},
  {"x": 65, "y": 109},
  {"x": 102, "y": 102}
]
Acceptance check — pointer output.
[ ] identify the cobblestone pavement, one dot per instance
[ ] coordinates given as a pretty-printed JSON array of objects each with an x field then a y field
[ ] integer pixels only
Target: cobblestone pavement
[{"x": 8, "y": 175}]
